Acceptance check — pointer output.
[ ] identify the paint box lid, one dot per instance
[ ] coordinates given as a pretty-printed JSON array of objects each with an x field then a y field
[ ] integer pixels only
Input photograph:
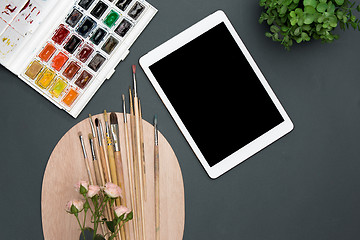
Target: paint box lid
[{"x": 20, "y": 48}]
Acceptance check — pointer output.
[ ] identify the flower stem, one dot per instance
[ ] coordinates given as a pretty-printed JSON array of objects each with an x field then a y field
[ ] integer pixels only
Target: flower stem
[{"x": 82, "y": 229}]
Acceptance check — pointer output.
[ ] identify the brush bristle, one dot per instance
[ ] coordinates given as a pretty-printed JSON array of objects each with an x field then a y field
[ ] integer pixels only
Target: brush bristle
[
  {"x": 96, "y": 122},
  {"x": 113, "y": 118},
  {"x": 134, "y": 68}
]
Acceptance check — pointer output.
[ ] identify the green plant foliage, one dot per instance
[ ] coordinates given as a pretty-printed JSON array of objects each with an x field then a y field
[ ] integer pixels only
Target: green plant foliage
[{"x": 302, "y": 20}]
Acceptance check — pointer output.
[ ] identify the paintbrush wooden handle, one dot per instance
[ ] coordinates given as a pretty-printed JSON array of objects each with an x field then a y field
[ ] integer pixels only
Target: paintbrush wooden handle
[
  {"x": 112, "y": 166},
  {"x": 130, "y": 176},
  {"x": 157, "y": 192},
  {"x": 105, "y": 162},
  {"x": 97, "y": 173},
  {"x": 139, "y": 162},
  {"x": 120, "y": 174}
]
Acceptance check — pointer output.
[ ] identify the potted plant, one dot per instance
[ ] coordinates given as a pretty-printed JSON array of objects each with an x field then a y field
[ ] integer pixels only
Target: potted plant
[{"x": 302, "y": 20}]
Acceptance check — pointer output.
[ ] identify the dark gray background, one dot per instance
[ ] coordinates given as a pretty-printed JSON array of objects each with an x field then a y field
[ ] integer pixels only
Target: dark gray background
[{"x": 304, "y": 186}]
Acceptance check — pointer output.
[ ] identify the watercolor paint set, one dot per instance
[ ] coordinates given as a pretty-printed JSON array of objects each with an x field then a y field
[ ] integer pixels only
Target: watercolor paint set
[{"x": 66, "y": 49}]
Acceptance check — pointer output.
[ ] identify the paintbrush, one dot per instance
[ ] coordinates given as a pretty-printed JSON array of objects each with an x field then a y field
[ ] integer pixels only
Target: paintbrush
[
  {"x": 102, "y": 150},
  {"x": 112, "y": 164},
  {"x": 142, "y": 150},
  {"x": 86, "y": 159},
  {"x": 129, "y": 167},
  {"x": 156, "y": 180},
  {"x": 110, "y": 152},
  {"x": 136, "y": 170},
  {"x": 114, "y": 129},
  {"x": 138, "y": 149}
]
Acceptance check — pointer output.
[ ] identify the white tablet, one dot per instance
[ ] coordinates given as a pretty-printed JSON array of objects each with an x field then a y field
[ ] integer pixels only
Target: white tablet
[{"x": 216, "y": 94}]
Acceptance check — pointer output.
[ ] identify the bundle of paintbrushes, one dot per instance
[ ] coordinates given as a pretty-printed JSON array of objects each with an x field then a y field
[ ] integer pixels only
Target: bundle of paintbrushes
[{"x": 110, "y": 163}]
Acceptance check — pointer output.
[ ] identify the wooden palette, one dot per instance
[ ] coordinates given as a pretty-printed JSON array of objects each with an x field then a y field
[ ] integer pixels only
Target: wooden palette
[{"x": 66, "y": 167}]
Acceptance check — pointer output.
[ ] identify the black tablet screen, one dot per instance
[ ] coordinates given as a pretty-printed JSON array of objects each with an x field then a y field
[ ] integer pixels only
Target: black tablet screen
[{"x": 216, "y": 94}]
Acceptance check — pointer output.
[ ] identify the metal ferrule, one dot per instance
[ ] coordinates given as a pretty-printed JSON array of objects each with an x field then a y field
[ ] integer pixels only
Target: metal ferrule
[
  {"x": 101, "y": 131},
  {"x": 99, "y": 134},
  {"x": 92, "y": 127},
  {"x": 156, "y": 132},
  {"x": 115, "y": 136},
  {"x": 92, "y": 149},
  {"x": 83, "y": 146}
]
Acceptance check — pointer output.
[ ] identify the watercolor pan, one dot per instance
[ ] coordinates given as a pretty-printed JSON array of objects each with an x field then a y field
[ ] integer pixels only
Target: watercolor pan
[
  {"x": 73, "y": 43},
  {"x": 58, "y": 87},
  {"x": 45, "y": 78},
  {"x": 84, "y": 79},
  {"x": 74, "y": 18},
  {"x": 111, "y": 18},
  {"x": 123, "y": 4},
  {"x": 71, "y": 70},
  {"x": 99, "y": 9},
  {"x": 34, "y": 69},
  {"x": 85, "y": 4},
  {"x": 97, "y": 61},
  {"x": 85, "y": 53},
  {"x": 123, "y": 28},
  {"x": 60, "y": 34},
  {"x": 70, "y": 97},
  {"x": 86, "y": 26},
  {"x": 58, "y": 61},
  {"x": 110, "y": 45},
  {"x": 98, "y": 36},
  {"x": 136, "y": 10},
  {"x": 47, "y": 52},
  {"x": 66, "y": 49}
]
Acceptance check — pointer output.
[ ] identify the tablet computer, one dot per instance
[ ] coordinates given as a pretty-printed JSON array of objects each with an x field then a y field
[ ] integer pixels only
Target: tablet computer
[{"x": 216, "y": 94}]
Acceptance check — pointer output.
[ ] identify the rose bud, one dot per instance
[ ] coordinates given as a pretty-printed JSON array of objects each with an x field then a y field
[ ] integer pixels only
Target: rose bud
[
  {"x": 93, "y": 190},
  {"x": 112, "y": 190}
]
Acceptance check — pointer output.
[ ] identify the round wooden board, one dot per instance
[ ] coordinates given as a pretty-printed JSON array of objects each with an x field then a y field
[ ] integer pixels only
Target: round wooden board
[{"x": 66, "y": 167}]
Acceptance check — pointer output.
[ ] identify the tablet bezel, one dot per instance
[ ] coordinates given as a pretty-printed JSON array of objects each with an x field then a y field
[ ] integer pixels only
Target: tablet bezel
[{"x": 182, "y": 39}]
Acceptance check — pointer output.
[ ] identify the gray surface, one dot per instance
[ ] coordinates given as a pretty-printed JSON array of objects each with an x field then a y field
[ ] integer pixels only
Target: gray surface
[{"x": 304, "y": 186}]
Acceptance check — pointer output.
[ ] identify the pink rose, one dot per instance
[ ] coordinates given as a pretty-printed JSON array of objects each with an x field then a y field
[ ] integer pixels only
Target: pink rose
[
  {"x": 78, "y": 204},
  {"x": 112, "y": 190},
  {"x": 121, "y": 210},
  {"x": 84, "y": 184},
  {"x": 93, "y": 190}
]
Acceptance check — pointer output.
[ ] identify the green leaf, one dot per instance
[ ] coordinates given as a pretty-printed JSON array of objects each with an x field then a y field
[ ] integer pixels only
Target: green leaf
[
  {"x": 111, "y": 226},
  {"x": 267, "y": 34},
  {"x": 309, "y": 18},
  {"x": 305, "y": 36},
  {"x": 309, "y": 9},
  {"x": 331, "y": 7},
  {"x": 274, "y": 29},
  {"x": 312, "y": 3},
  {"x": 283, "y": 10},
  {"x": 339, "y": 2},
  {"x": 321, "y": 7}
]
